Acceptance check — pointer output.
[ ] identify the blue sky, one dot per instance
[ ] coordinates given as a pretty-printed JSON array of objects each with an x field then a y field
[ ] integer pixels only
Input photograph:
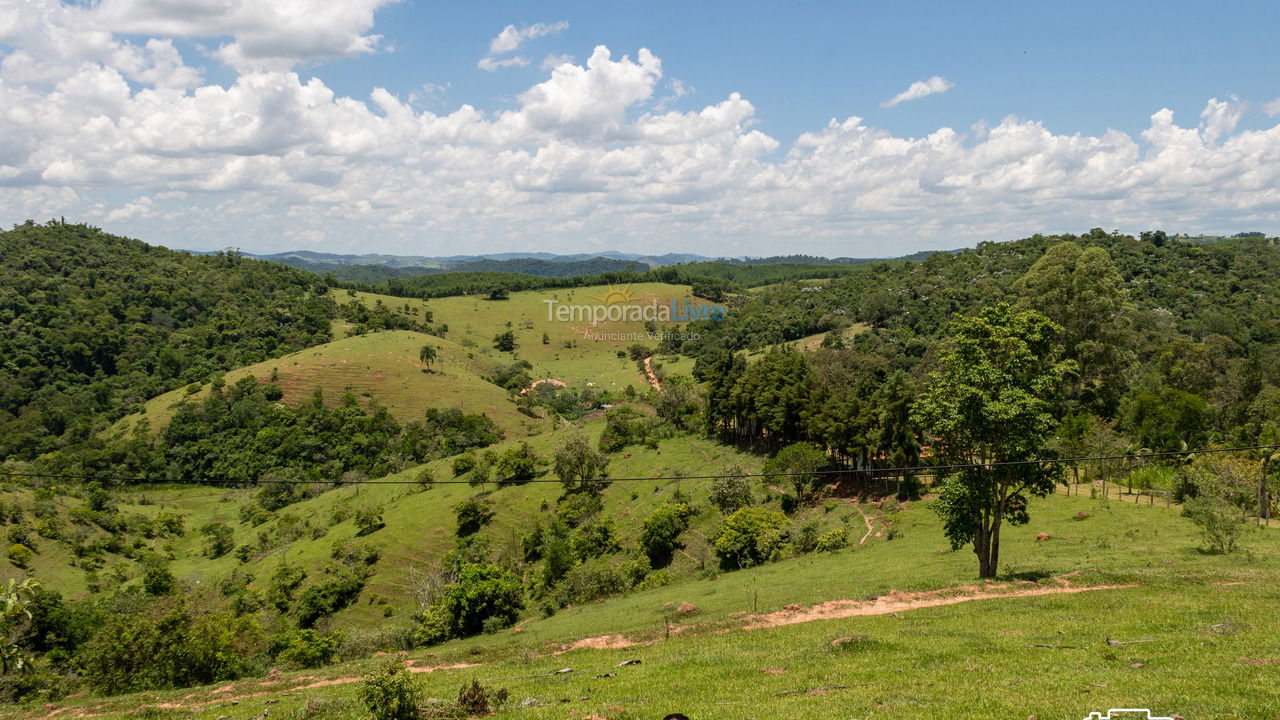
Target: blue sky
[
  {"x": 205, "y": 123},
  {"x": 1078, "y": 67}
]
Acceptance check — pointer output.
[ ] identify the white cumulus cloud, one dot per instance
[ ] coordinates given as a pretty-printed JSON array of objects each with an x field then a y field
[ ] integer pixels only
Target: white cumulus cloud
[
  {"x": 118, "y": 129},
  {"x": 512, "y": 38},
  {"x": 935, "y": 85}
]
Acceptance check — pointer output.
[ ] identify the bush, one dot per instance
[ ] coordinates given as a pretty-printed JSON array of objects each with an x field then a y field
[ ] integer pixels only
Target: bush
[
  {"x": 472, "y": 514},
  {"x": 661, "y": 530},
  {"x": 751, "y": 536},
  {"x": 731, "y": 492},
  {"x": 1220, "y": 524},
  {"x": 592, "y": 581},
  {"x": 168, "y": 644},
  {"x": 329, "y": 596},
  {"x": 805, "y": 539},
  {"x": 463, "y": 464},
  {"x": 832, "y": 540},
  {"x": 369, "y": 520},
  {"x": 476, "y": 700},
  {"x": 219, "y": 539},
  {"x": 594, "y": 539},
  {"x": 481, "y": 591},
  {"x": 578, "y": 508},
  {"x": 157, "y": 579},
  {"x": 391, "y": 692},
  {"x": 309, "y": 649},
  {"x": 516, "y": 465},
  {"x": 792, "y": 461},
  {"x": 20, "y": 555}
]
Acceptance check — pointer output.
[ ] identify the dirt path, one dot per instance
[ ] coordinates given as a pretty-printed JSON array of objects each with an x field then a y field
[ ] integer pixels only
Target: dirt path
[
  {"x": 894, "y": 602},
  {"x": 870, "y": 526},
  {"x": 903, "y": 602},
  {"x": 649, "y": 374}
]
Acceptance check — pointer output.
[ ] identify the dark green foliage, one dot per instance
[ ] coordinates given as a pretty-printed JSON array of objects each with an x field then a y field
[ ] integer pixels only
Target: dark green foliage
[
  {"x": 793, "y": 462},
  {"x": 624, "y": 426},
  {"x": 661, "y": 531},
  {"x": 991, "y": 404},
  {"x": 505, "y": 341},
  {"x": 476, "y": 700},
  {"x": 473, "y": 514},
  {"x": 167, "y": 643},
  {"x": 751, "y": 536},
  {"x": 92, "y": 325},
  {"x": 284, "y": 583},
  {"x": 218, "y": 539},
  {"x": 157, "y": 579},
  {"x": 516, "y": 465},
  {"x": 236, "y": 435},
  {"x": 330, "y": 595},
  {"x": 481, "y": 592}
]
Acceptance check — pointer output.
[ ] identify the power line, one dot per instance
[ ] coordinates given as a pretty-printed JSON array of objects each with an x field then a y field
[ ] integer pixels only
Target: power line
[{"x": 900, "y": 470}]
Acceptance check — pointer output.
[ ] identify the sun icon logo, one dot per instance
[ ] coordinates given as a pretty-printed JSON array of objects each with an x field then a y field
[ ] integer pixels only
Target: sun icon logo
[{"x": 616, "y": 294}]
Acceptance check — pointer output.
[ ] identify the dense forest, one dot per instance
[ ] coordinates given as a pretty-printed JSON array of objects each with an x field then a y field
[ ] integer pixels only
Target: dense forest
[
  {"x": 1177, "y": 344},
  {"x": 92, "y": 325}
]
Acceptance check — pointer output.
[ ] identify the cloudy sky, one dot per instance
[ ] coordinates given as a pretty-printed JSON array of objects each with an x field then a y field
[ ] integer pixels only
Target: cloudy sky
[{"x": 718, "y": 128}]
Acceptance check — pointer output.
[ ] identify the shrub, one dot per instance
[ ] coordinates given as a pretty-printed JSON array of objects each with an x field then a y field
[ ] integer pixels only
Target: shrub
[
  {"x": 219, "y": 539},
  {"x": 578, "y": 508},
  {"x": 1220, "y": 524},
  {"x": 309, "y": 649},
  {"x": 801, "y": 457},
  {"x": 329, "y": 596},
  {"x": 369, "y": 520},
  {"x": 481, "y": 591},
  {"x": 284, "y": 582},
  {"x": 661, "y": 530},
  {"x": 750, "y": 536},
  {"x": 463, "y": 464},
  {"x": 472, "y": 514},
  {"x": 594, "y": 539},
  {"x": 20, "y": 555},
  {"x": 832, "y": 540},
  {"x": 592, "y": 581},
  {"x": 731, "y": 492},
  {"x": 157, "y": 579},
  {"x": 516, "y": 465},
  {"x": 167, "y": 644},
  {"x": 476, "y": 700},
  {"x": 805, "y": 539},
  {"x": 391, "y": 692}
]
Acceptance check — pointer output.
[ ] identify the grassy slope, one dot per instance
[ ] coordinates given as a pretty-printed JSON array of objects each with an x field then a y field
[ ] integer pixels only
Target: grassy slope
[
  {"x": 977, "y": 659},
  {"x": 382, "y": 366},
  {"x": 419, "y": 524},
  {"x": 473, "y": 320}
]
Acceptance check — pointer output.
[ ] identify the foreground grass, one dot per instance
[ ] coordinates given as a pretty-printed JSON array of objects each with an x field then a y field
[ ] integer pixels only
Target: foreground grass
[{"x": 1207, "y": 626}]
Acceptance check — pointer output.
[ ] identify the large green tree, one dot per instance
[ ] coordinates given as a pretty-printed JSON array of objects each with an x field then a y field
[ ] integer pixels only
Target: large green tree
[
  {"x": 988, "y": 410},
  {"x": 1083, "y": 292}
]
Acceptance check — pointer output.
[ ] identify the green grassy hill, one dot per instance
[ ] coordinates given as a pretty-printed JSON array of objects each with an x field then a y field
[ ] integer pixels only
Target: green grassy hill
[
  {"x": 577, "y": 353},
  {"x": 381, "y": 366}
]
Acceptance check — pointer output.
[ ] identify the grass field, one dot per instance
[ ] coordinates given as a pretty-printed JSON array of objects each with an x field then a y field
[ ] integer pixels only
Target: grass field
[
  {"x": 577, "y": 353},
  {"x": 381, "y": 366},
  {"x": 1191, "y": 634}
]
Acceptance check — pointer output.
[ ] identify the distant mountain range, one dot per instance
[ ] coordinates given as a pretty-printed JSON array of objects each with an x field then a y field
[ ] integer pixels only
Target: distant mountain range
[{"x": 377, "y": 268}]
